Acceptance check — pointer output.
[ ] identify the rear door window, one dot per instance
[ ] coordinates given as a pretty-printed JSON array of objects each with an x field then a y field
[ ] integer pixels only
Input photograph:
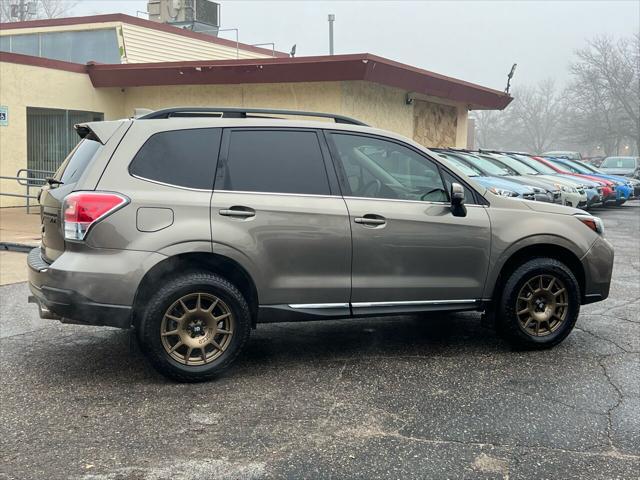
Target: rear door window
[
  {"x": 184, "y": 158},
  {"x": 274, "y": 161}
]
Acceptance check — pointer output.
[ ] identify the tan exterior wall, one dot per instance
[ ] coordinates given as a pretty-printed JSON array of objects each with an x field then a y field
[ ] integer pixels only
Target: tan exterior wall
[
  {"x": 23, "y": 86},
  {"x": 429, "y": 122}
]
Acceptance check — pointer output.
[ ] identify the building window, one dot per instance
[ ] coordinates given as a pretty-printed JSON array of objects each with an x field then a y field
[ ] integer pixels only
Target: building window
[
  {"x": 77, "y": 47},
  {"x": 274, "y": 161},
  {"x": 51, "y": 136}
]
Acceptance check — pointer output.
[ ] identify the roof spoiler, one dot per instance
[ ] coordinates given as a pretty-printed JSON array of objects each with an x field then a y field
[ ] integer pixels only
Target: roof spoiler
[{"x": 99, "y": 131}]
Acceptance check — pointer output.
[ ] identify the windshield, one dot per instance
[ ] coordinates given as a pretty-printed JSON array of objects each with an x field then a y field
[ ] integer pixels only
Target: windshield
[
  {"x": 578, "y": 168},
  {"x": 515, "y": 165},
  {"x": 591, "y": 168},
  {"x": 558, "y": 164},
  {"x": 483, "y": 164},
  {"x": 466, "y": 169},
  {"x": 564, "y": 154},
  {"x": 537, "y": 166},
  {"x": 619, "y": 162}
]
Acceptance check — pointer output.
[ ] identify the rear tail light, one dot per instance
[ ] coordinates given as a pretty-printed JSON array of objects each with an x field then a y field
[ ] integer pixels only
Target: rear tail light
[{"x": 82, "y": 210}]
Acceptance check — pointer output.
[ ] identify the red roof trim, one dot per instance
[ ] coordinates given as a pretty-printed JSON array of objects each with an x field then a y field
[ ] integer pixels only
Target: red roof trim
[
  {"x": 301, "y": 69},
  {"x": 141, "y": 22},
  {"x": 42, "y": 62}
]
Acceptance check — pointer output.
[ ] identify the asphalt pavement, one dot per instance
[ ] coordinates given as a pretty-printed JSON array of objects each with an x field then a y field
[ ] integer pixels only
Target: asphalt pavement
[{"x": 403, "y": 397}]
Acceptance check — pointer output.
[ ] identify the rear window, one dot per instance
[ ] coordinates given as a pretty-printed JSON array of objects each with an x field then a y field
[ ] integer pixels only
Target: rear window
[
  {"x": 184, "y": 158},
  {"x": 274, "y": 161},
  {"x": 77, "y": 161},
  {"x": 619, "y": 162}
]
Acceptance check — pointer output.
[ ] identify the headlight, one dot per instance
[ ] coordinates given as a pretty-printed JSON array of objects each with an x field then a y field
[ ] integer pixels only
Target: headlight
[
  {"x": 502, "y": 192},
  {"x": 565, "y": 188},
  {"x": 594, "y": 223}
]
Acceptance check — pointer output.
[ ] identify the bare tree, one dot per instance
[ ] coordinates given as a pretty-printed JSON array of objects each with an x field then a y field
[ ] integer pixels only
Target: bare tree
[
  {"x": 34, "y": 9},
  {"x": 536, "y": 117},
  {"x": 605, "y": 92},
  {"x": 489, "y": 128}
]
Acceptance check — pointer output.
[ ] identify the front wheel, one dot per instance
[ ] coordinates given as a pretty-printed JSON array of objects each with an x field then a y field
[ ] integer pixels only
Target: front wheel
[
  {"x": 540, "y": 304},
  {"x": 194, "y": 327}
]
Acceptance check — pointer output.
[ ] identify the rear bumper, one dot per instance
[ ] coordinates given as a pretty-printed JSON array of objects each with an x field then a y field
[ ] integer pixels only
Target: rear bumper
[
  {"x": 68, "y": 306},
  {"x": 598, "y": 268},
  {"x": 89, "y": 288}
]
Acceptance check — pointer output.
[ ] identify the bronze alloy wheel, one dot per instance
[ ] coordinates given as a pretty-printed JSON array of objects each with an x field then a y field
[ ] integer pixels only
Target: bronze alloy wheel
[
  {"x": 197, "y": 328},
  {"x": 542, "y": 305}
]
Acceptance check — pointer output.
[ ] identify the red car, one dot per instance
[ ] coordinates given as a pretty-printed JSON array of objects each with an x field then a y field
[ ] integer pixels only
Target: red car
[{"x": 608, "y": 187}]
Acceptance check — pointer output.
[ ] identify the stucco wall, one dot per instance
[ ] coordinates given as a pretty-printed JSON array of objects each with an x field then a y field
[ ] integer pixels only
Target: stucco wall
[
  {"x": 23, "y": 86},
  {"x": 434, "y": 125},
  {"x": 427, "y": 121}
]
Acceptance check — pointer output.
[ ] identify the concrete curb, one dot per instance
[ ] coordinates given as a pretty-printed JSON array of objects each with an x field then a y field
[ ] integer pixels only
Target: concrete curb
[{"x": 17, "y": 247}]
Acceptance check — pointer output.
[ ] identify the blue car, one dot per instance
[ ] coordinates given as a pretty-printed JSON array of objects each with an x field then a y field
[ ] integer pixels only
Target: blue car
[
  {"x": 498, "y": 186},
  {"x": 624, "y": 189},
  {"x": 630, "y": 181}
]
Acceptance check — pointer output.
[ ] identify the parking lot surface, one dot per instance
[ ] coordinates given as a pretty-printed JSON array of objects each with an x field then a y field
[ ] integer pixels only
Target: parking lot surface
[{"x": 402, "y": 397}]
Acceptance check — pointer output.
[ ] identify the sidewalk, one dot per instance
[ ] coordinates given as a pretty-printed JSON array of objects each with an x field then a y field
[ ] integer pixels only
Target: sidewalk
[{"x": 18, "y": 227}]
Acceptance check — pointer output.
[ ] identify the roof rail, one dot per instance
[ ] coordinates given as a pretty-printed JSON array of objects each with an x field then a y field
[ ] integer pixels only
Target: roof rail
[{"x": 226, "y": 112}]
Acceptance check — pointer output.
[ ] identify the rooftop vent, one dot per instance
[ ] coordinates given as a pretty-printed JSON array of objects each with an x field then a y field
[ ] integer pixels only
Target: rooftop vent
[{"x": 197, "y": 15}]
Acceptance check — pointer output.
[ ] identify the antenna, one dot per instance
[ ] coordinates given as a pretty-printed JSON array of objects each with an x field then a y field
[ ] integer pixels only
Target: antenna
[{"x": 509, "y": 77}]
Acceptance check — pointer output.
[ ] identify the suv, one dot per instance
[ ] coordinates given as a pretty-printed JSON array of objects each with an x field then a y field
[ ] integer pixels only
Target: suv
[{"x": 193, "y": 225}]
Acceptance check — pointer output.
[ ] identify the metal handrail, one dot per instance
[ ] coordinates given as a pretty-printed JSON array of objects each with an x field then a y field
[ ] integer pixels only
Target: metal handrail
[{"x": 27, "y": 181}]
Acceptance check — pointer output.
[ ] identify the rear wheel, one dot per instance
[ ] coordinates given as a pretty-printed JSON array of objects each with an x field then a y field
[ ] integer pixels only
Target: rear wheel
[
  {"x": 540, "y": 304},
  {"x": 194, "y": 327}
]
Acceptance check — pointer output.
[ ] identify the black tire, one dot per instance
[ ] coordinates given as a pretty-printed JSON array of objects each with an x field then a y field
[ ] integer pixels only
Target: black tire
[
  {"x": 508, "y": 321},
  {"x": 149, "y": 328}
]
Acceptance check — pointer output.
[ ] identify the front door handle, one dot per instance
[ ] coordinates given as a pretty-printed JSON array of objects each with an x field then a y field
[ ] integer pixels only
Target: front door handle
[
  {"x": 238, "y": 212},
  {"x": 370, "y": 220}
]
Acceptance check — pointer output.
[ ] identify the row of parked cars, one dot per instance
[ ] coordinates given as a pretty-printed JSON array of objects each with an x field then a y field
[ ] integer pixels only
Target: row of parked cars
[{"x": 543, "y": 178}]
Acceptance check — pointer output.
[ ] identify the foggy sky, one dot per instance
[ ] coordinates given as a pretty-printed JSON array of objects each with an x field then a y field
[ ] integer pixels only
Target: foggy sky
[{"x": 477, "y": 41}]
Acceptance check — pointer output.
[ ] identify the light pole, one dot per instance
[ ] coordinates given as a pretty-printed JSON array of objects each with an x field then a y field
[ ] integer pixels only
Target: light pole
[{"x": 332, "y": 19}]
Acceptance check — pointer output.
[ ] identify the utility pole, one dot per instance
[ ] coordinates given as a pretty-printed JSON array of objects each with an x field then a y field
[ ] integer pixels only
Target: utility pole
[{"x": 332, "y": 18}]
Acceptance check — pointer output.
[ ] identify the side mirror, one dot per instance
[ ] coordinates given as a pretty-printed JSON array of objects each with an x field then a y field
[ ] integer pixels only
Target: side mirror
[{"x": 457, "y": 200}]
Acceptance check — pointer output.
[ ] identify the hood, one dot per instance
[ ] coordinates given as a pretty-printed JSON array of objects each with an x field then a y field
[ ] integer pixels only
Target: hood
[
  {"x": 618, "y": 171},
  {"x": 553, "y": 208},
  {"x": 504, "y": 184}
]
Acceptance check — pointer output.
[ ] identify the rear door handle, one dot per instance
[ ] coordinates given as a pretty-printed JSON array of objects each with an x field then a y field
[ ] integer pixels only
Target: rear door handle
[
  {"x": 238, "y": 212},
  {"x": 370, "y": 220}
]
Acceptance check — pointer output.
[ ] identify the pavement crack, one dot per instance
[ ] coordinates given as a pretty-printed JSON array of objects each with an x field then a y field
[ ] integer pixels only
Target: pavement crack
[
  {"x": 604, "y": 339},
  {"x": 610, "y": 411}
]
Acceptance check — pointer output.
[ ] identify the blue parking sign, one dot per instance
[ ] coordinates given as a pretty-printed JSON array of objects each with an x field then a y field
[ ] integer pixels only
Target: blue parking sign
[{"x": 4, "y": 116}]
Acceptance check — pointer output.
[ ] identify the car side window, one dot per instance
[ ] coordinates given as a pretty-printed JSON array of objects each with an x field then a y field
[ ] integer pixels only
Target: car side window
[
  {"x": 468, "y": 193},
  {"x": 376, "y": 168},
  {"x": 274, "y": 161},
  {"x": 185, "y": 158}
]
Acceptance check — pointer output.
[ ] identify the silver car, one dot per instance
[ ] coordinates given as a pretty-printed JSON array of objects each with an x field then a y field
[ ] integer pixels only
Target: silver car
[{"x": 194, "y": 225}]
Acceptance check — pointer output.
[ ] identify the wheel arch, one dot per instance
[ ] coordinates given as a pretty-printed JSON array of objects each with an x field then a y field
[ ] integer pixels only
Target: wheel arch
[
  {"x": 228, "y": 268},
  {"x": 527, "y": 252}
]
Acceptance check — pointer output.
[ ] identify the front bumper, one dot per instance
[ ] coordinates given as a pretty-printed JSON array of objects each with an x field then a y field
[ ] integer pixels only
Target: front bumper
[
  {"x": 88, "y": 288},
  {"x": 598, "y": 268},
  {"x": 574, "y": 199}
]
